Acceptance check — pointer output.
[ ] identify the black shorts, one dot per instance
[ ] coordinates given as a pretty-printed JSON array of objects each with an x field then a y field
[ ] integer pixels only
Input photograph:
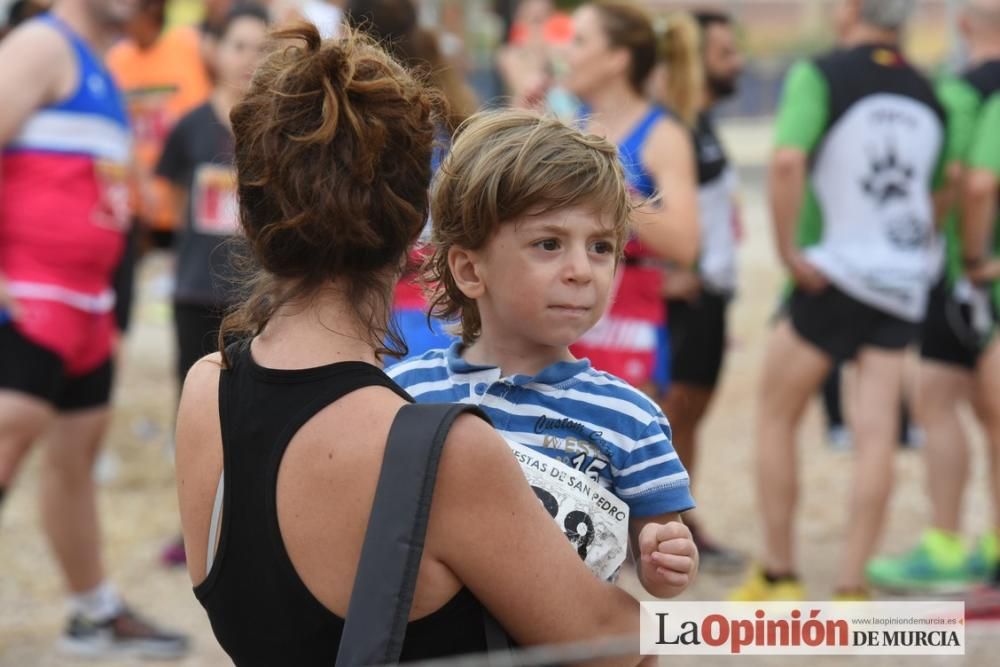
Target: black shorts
[
  {"x": 34, "y": 370},
  {"x": 947, "y": 337},
  {"x": 697, "y": 339},
  {"x": 840, "y": 325}
]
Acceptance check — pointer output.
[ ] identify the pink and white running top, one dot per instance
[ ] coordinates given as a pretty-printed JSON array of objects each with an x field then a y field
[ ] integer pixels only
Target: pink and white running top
[{"x": 63, "y": 192}]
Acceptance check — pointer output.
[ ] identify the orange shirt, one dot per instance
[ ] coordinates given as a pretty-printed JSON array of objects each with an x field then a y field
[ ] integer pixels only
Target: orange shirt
[
  {"x": 558, "y": 31},
  {"x": 160, "y": 84}
]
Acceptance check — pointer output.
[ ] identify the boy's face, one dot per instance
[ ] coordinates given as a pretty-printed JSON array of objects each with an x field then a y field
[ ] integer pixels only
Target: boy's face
[{"x": 544, "y": 280}]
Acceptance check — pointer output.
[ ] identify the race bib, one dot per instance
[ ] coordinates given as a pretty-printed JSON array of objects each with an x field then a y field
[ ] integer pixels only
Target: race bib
[
  {"x": 112, "y": 209},
  {"x": 593, "y": 519},
  {"x": 215, "y": 209},
  {"x": 151, "y": 120}
]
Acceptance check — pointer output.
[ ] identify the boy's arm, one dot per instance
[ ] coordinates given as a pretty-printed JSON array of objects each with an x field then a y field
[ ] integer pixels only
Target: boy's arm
[
  {"x": 665, "y": 554},
  {"x": 654, "y": 483}
]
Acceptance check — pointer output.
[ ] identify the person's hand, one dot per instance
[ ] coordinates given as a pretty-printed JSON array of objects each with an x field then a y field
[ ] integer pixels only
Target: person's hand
[
  {"x": 681, "y": 285},
  {"x": 668, "y": 558},
  {"x": 8, "y": 307},
  {"x": 984, "y": 272},
  {"x": 807, "y": 277},
  {"x": 534, "y": 94}
]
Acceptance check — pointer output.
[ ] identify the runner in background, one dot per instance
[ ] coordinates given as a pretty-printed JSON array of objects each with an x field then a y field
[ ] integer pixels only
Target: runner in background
[
  {"x": 527, "y": 63},
  {"x": 197, "y": 162},
  {"x": 860, "y": 151},
  {"x": 958, "y": 363},
  {"x": 393, "y": 23},
  {"x": 163, "y": 76},
  {"x": 697, "y": 299},
  {"x": 63, "y": 220},
  {"x": 614, "y": 52}
]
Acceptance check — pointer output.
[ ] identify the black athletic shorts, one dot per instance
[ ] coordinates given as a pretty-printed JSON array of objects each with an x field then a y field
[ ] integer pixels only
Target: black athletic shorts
[
  {"x": 34, "y": 370},
  {"x": 947, "y": 336},
  {"x": 697, "y": 339},
  {"x": 840, "y": 325}
]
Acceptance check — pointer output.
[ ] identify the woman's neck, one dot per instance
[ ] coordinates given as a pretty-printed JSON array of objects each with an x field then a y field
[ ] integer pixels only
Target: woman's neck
[
  {"x": 314, "y": 331},
  {"x": 615, "y": 109}
]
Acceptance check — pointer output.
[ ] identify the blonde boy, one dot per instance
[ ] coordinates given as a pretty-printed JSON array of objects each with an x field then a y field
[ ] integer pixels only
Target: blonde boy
[{"x": 530, "y": 218}]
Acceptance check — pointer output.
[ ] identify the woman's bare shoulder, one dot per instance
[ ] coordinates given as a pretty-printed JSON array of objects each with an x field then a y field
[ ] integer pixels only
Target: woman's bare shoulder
[{"x": 199, "y": 406}]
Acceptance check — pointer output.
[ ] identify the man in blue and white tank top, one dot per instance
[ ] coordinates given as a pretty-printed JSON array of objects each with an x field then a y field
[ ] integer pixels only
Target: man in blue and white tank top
[{"x": 65, "y": 149}]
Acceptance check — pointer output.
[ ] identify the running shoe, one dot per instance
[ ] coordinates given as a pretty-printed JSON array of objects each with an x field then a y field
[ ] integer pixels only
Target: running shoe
[
  {"x": 173, "y": 555},
  {"x": 756, "y": 588},
  {"x": 985, "y": 558},
  {"x": 938, "y": 565},
  {"x": 838, "y": 438},
  {"x": 860, "y": 595},
  {"x": 125, "y": 635}
]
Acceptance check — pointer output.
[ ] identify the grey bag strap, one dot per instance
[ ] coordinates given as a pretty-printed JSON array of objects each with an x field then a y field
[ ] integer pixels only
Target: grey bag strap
[{"x": 394, "y": 541}]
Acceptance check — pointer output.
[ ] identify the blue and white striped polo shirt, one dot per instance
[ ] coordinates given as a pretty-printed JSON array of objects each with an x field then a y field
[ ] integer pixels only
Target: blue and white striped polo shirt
[{"x": 589, "y": 420}]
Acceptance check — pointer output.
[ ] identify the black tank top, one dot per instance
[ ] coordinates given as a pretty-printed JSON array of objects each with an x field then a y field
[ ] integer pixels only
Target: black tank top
[{"x": 260, "y": 611}]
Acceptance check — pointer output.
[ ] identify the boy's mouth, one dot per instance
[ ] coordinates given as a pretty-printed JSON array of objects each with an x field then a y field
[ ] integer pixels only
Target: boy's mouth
[{"x": 570, "y": 310}]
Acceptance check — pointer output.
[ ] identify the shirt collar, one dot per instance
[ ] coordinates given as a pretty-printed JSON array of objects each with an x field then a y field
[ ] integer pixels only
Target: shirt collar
[{"x": 561, "y": 372}]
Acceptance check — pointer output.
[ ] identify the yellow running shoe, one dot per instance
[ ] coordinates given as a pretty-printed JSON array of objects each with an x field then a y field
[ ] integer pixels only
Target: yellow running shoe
[
  {"x": 852, "y": 596},
  {"x": 756, "y": 588}
]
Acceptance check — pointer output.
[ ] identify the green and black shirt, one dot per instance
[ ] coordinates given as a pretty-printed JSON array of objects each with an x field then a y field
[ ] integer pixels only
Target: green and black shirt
[
  {"x": 875, "y": 135},
  {"x": 972, "y": 102}
]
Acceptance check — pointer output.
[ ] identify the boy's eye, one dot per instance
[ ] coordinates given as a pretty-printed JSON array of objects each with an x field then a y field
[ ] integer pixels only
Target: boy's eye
[
  {"x": 548, "y": 244},
  {"x": 603, "y": 248}
]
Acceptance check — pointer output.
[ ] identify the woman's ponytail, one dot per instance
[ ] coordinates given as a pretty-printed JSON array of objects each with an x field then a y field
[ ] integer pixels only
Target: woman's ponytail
[{"x": 680, "y": 51}]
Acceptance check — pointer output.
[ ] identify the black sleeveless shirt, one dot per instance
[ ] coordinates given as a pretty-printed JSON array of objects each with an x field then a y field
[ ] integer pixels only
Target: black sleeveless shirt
[{"x": 260, "y": 611}]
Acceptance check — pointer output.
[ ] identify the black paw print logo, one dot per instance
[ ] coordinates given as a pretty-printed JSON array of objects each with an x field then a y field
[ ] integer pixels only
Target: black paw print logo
[{"x": 888, "y": 178}]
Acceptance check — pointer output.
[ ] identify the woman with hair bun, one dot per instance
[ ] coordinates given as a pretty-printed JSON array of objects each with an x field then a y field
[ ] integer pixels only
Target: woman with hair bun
[
  {"x": 333, "y": 148},
  {"x": 613, "y": 56}
]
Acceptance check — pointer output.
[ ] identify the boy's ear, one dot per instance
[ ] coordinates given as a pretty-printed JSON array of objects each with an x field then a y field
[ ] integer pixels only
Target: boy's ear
[{"x": 465, "y": 270}]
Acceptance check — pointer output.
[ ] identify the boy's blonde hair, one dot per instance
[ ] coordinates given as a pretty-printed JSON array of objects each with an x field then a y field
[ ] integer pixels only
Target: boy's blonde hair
[{"x": 502, "y": 166}]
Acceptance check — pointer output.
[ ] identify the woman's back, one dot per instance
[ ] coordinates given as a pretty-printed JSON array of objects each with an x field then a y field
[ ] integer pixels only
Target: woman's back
[{"x": 302, "y": 450}]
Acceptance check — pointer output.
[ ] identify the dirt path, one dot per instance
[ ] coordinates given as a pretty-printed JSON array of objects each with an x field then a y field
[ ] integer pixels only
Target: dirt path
[{"x": 140, "y": 514}]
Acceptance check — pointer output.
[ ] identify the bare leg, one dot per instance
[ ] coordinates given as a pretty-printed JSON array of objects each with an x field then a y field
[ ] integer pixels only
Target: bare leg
[
  {"x": 793, "y": 370},
  {"x": 988, "y": 403},
  {"x": 876, "y": 426},
  {"x": 685, "y": 406},
  {"x": 23, "y": 419},
  {"x": 941, "y": 390},
  {"x": 68, "y": 496}
]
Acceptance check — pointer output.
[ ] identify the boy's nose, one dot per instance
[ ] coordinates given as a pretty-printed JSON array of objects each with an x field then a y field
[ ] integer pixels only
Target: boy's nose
[{"x": 578, "y": 268}]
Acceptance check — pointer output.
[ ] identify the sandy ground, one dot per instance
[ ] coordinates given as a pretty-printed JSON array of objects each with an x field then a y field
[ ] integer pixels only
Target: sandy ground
[{"x": 139, "y": 505}]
